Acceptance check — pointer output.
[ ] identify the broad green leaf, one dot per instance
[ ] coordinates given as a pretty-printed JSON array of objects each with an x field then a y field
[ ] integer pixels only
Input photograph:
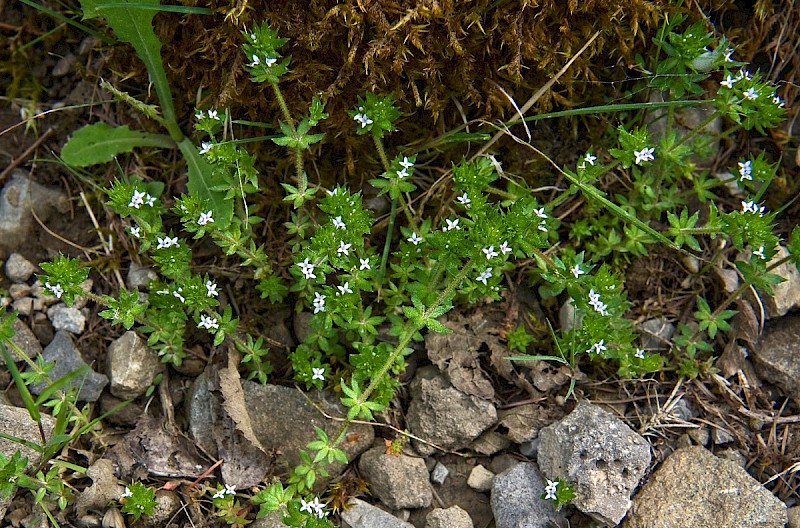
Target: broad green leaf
[
  {"x": 202, "y": 182},
  {"x": 134, "y": 25},
  {"x": 99, "y": 143}
]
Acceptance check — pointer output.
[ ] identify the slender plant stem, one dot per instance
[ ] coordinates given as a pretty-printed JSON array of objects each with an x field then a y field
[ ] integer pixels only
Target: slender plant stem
[
  {"x": 387, "y": 245},
  {"x": 696, "y": 130},
  {"x": 298, "y": 154}
]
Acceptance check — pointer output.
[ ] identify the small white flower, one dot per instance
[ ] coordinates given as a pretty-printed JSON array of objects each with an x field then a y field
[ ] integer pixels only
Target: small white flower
[
  {"x": 752, "y": 207},
  {"x": 150, "y": 200},
  {"x": 505, "y": 248},
  {"x": 338, "y": 224},
  {"x": 364, "y": 264},
  {"x": 406, "y": 164},
  {"x": 230, "y": 490},
  {"x": 542, "y": 227},
  {"x": 728, "y": 82},
  {"x": 751, "y": 94},
  {"x": 589, "y": 158},
  {"x": 307, "y": 507},
  {"x": 596, "y": 303},
  {"x": 126, "y": 493},
  {"x": 451, "y": 224},
  {"x": 344, "y": 288},
  {"x": 490, "y": 252},
  {"x": 212, "y": 114},
  {"x": 464, "y": 199},
  {"x": 760, "y": 253},
  {"x": 135, "y": 231},
  {"x": 205, "y": 147},
  {"x": 746, "y": 170},
  {"x": 402, "y": 173},
  {"x": 211, "y": 289},
  {"x": 344, "y": 249},
  {"x": 208, "y": 322},
  {"x": 363, "y": 119},
  {"x": 485, "y": 276},
  {"x": 270, "y": 61},
  {"x": 577, "y": 271},
  {"x": 318, "y": 302},
  {"x": 167, "y": 242},
  {"x": 776, "y": 100},
  {"x": 205, "y": 218},
  {"x": 255, "y": 62},
  {"x": 550, "y": 490},
  {"x": 646, "y": 154},
  {"x": 318, "y": 374},
  {"x": 597, "y": 347},
  {"x": 199, "y": 115},
  {"x": 540, "y": 212},
  {"x": 308, "y": 269},
  {"x": 177, "y": 295},
  {"x": 743, "y": 74},
  {"x": 219, "y": 494},
  {"x": 728, "y": 53},
  {"x": 639, "y": 353},
  {"x": 137, "y": 199},
  {"x": 414, "y": 239}
]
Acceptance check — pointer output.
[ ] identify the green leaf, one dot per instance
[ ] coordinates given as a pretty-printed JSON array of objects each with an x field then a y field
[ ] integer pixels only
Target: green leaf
[
  {"x": 133, "y": 23},
  {"x": 99, "y": 143},
  {"x": 202, "y": 182}
]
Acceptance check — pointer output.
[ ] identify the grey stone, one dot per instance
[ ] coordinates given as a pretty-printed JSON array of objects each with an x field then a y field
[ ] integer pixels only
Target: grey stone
[
  {"x": 694, "y": 488},
  {"x": 25, "y": 339},
  {"x": 18, "y": 198},
  {"x": 567, "y": 316},
  {"x": 275, "y": 413},
  {"x": 18, "y": 268},
  {"x": 140, "y": 276},
  {"x": 66, "y": 358},
  {"x": 26, "y": 305},
  {"x": 794, "y": 517},
  {"x": 480, "y": 478},
  {"x": 530, "y": 448},
  {"x": 67, "y": 318},
  {"x": 131, "y": 366},
  {"x": 439, "y": 473},
  {"x": 360, "y": 514},
  {"x": 700, "y": 435},
  {"x": 776, "y": 356},
  {"x": 273, "y": 519},
  {"x": 517, "y": 502},
  {"x": 199, "y": 414},
  {"x": 443, "y": 415},
  {"x": 18, "y": 291},
  {"x": 15, "y": 421},
  {"x": 398, "y": 481},
  {"x": 733, "y": 455},
  {"x": 602, "y": 457},
  {"x": 453, "y": 517},
  {"x": 167, "y": 504},
  {"x": 786, "y": 295},
  {"x": 656, "y": 333},
  {"x": 720, "y": 436}
]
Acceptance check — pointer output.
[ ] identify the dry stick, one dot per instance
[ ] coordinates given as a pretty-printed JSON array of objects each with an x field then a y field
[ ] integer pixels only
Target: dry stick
[
  {"x": 535, "y": 97},
  {"x": 103, "y": 243},
  {"x": 17, "y": 162}
]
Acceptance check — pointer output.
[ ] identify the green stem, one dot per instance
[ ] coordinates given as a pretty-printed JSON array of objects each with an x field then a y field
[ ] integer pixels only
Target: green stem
[
  {"x": 696, "y": 130},
  {"x": 386, "y": 246},
  {"x": 298, "y": 154}
]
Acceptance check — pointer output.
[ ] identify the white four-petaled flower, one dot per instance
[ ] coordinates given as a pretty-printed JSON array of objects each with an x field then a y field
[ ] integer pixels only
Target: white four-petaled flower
[
  {"x": 344, "y": 288},
  {"x": 598, "y": 305},
  {"x": 639, "y": 353},
  {"x": 177, "y": 295},
  {"x": 577, "y": 271},
  {"x": 318, "y": 374},
  {"x": 344, "y": 249},
  {"x": 308, "y": 269},
  {"x": 760, "y": 253},
  {"x": 212, "y": 114},
  {"x": 550, "y": 490},
  {"x": 363, "y": 119},
  {"x": 135, "y": 231},
  {"x": 167, "y": 242},
  {"x": 205, "y": 218},
  {"x": 208, "y": 322},
  {"x": 485, "y": 276},
  {"x": 313, "y": 507},
  {"x": 490, "y": 252},
  {"x": 126, "y": 493},
  {"x": 150, "y": 200},
  {"x": 597, "y": 347},
  {"x": 318, "y": 302},
  {"x": 55, "y": 289},
  {"x": 752, "y": 207},
  {"x": 451, "y": 224},
  {"x": 505, "y": 248},
  {"x": 746, "y": 170},
  {"x": 728, "y": 82},
  {"x": 464, "y": 199},
  {"x": 589, "y": 158},
  {"x": 363, "y": 264},
  {"x": 402, "y": 173},
  {"x": 211, "y": 289},
  {"x": 137, "y": 199},
  {"x": 540, "y": 212},
  {"x": 646, "y": 154},
  {"x": 414, "y": 238},
  {"x": 406, "y": 164},
  {"x": 338, "y": 224},
  {"x": 751, "y": 94}
]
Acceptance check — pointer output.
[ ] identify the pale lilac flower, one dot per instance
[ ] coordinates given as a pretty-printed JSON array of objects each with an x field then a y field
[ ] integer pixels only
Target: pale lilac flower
[
  {"x": 205, "y": 218},
  {"x": 208, "y": 322},
  {"x": 464, "y": 199},
  {"x": 219, "y": 494},
  {"x": 150, "y": 200},
  {"x": 402, "y": 173},
  {"x": 318, "y": 374},
  {"x": 126, "y": 493},
  {"x": 211, "y": 289},
  {"x": 338, "y": 224},
  {"x": 308, "y": 269},
  {"x": 167, "y": 242},
  {"x": 255, "y": 61},
  {"x": 414, "y": 238},
  {"x": 451, "y": 224},
  {"x": 751, "y": 94},
  {"x": 550, "y": 490},
  {"x": 485, "y": 276},
  {"x": 596, "y": 303},
  {"x": 137, "y": 199},
  {"x": 56, "y": 289},
  {"x": 344, "y": 288},
  {"x": 597, "y": 348},
  {"x": 540, "y": 212},
  {"x": 639, "y": 353},
  {"x": 646, "y": 154},
  {"x": 362, "y": 119},
  {"x": 270, "y": 61},
  {"x": 205, "y": 147},
  {"x": 589, "y": 158},
  {"x": 577, "y": 271},
  {"x": 230, "y": 490},
  {"x": 746, "y": 170},
  {"x": 318, "y": 302},
  {"x": 728, "y": 82},
  {"x": 344, "y": 249},
  {"x": 364, "y": 264},
  {"x": 406, "y": 164},
  {"x": 135, "y": 231},
  {"x": 760, "y": 253},
  {"x": 505, "y": 248},
  {"x": 490, "y": 252},
  {"x": 752, "y": 207}
]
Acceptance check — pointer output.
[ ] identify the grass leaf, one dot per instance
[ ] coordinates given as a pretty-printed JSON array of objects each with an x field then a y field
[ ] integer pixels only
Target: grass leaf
[{"x": 99, "y": 143}]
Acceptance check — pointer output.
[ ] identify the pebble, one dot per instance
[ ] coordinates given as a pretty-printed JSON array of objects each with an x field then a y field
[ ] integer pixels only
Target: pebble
[
  {"x": 66, "y": 318},
  {"x": 439, "y": 473},
  {"x": 480, "y": 478},
  {"x": 18, "y": 268}
]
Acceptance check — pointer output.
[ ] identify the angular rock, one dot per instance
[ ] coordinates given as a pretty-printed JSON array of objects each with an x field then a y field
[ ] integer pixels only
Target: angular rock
[
  {"x": 443, "y": 415},
  {"x": 516, "y": 499},
  {"x": 67, "y": 318},
  {"x": 480, "y": 478},
  {"x": 776, "y": 356},
  {"x": 656, "y": 333},
  {"x": 786, "y": 295},
  {"x": 62, "y": 352},
  {"x": 15, "y": 421},
  {"x": 18, "y": 198},
  {"x": 398, "y": 481},
  {"x": 26, "y": 306},
  {"x": 439, "y": 473},
  {"x": 602, "y": 457},
  {"x": 453, "y": 517},
  {"x": 131, "y": 366},
  {"x": 694, "y": 488},
  {"x": 140, "y": 276},
  {"x": 18, "y": 268},
  {"x": 360, "y": 514},
  {"x": 18, "y": 291},
  {"x": 283, "y": 420},
  {"x": 25, "y": 340},
  {"x": 167, "y": 504}
]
